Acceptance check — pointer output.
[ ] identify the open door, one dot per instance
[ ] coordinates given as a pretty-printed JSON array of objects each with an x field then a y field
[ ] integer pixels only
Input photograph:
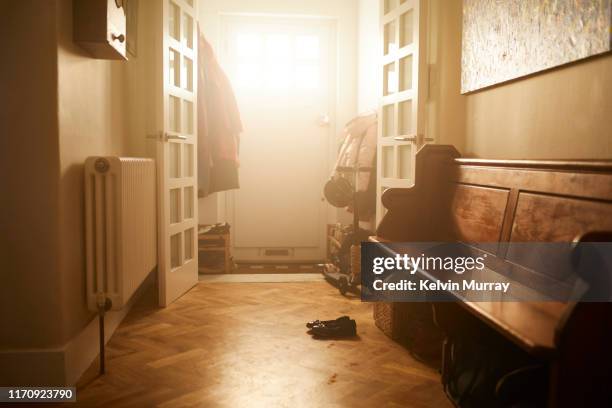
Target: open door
[
  {"x": 402, "y": 115},
  {"x": 176, "y": 150}
]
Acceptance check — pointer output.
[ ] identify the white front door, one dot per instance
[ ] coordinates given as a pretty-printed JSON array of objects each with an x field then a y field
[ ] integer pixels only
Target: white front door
[
  {"x": 176, "y": 151},
  {"x": 280, "y": 68}
]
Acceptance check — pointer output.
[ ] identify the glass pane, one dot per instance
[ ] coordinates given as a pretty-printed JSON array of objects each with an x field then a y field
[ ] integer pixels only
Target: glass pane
[
  {"x": 389, "y": 120},
  {"x": 390, "y": 40},
  {"x": 277, "y": 47},
  {"x": 406, "y": 28},
  {"x": 188, "y": 197},
  {"x": 277, "y": 76},
  {"x": 405, "y": 161},
  {"x": 390, "y": 5},
  {"x": 188, "y": 117},
  {"x": 248, "y": 75},
  {"x": 390, "y": 79},
  {"x": 248, "y": 45},
  {"x": 307, "y": 46},
  {"x": 189, "y": 239},
  {"x": 307, "y": 77},
  {"x": 175, "y": 205},
  {"x": 175, "y": 250},
  {"x": 187, "y": 74},
  {"x": 406, "y": 73},
  {"x": 175, "y": 73},
  {"x": 174, "y": 163},
  {"x": 174, "y": 21},
  {"x": 188, "y": 30},
  {"x": 405, "y": 118},
  {"x": 174, "y": 114},
  {"x": 188, "y": 159},
  {"x": 388, "y": 161}
]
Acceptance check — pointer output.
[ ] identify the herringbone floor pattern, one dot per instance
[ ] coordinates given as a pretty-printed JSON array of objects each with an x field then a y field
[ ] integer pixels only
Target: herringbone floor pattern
[{"x": 244, "y": 345}]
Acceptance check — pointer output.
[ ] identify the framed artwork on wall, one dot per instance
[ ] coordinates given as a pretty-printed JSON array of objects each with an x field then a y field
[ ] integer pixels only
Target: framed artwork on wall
[{"x": 505, "y": 40}]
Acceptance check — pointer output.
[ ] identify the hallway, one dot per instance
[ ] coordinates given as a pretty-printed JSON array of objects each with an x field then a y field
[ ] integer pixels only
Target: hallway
[{"x": 240, "y": 345}]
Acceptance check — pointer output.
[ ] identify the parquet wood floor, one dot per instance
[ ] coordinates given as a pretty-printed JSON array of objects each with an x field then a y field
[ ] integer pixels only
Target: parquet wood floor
[{"x": 245, "y": 345}]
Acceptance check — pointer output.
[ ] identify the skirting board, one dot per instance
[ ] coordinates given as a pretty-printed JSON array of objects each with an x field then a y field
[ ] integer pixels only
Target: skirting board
[{"x": 63, "y": 366}]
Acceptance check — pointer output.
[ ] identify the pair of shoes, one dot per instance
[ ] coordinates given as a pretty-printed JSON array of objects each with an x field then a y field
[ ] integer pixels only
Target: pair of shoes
[
  {"x": 338, "y": 328},
  {"x": 314, "y": 323}
]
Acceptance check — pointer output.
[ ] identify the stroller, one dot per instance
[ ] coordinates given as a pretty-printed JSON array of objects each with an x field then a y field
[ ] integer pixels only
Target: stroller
[{"x": 353, "y": 186}]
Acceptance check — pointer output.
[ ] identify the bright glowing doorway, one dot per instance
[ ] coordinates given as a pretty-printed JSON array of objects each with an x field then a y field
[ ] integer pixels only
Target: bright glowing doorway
[{"x": 282, "y": 71}]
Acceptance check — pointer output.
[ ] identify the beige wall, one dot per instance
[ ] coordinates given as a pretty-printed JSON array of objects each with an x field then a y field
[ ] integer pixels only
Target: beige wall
[
  {"x": 91, "y": 122},
  {"x": 446, "y": 107},
  {"x": 29, "y": 169},
  {"x": 59, "y": 106},
  {"x": 562, "y": 113}
]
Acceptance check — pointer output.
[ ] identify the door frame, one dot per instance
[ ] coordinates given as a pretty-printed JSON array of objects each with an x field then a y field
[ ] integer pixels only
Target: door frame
[{"x": 328, "y": 214}]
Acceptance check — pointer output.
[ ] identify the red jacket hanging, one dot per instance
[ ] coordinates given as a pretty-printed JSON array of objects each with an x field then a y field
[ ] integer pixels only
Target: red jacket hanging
[{"x": 219, "y": 125}]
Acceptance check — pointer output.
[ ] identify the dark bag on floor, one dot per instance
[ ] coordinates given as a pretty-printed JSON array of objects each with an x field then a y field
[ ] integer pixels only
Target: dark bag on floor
[
  {"x": 485, "y": 370},
  {"x": 424, "y": 338}
]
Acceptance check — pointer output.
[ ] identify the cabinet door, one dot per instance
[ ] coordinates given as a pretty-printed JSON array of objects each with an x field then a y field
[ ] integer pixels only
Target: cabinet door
[{"x": 401, "y": 125}]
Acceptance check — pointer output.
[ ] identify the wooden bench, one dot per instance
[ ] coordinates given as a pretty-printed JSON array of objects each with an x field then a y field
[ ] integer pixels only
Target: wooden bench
[{"x": 500, "y": 201}]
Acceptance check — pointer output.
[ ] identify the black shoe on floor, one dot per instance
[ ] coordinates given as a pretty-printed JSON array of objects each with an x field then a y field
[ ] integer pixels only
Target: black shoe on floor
[
  {"x": 338, "y": 329},
  {"x": 314, "y": 323}
]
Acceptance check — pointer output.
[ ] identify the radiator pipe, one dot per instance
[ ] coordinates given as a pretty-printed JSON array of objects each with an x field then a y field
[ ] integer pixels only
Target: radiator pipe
[{"x": 104, "y": 304}]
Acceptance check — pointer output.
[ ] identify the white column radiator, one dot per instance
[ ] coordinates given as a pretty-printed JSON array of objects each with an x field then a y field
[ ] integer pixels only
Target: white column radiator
[{"x": 121, "y": 230}]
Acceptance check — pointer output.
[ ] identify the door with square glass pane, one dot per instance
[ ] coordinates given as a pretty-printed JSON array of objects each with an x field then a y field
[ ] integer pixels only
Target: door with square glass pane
[
  {"x": 401, "y": 129},
  {"x": 280, "y": 68},
  {"x": 176, "y": 151}
]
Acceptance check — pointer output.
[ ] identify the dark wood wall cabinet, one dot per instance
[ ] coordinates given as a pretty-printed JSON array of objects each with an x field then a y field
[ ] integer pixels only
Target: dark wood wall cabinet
[{"x": 99, "y": 28}]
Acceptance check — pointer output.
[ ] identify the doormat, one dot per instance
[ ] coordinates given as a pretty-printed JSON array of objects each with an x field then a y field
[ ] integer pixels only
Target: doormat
[
  {"x": 248, "y": 268},
  {"x": 262, "y": 278}
]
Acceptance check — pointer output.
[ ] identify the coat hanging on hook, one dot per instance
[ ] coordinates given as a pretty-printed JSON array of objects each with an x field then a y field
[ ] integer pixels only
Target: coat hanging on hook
[{"x": 219, "y": 125}]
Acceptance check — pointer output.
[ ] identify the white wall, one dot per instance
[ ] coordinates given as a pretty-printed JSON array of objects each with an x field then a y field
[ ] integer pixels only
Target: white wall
[
  {"x": 211, "y": 209},
  {"x": 368, "y": 44}
]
